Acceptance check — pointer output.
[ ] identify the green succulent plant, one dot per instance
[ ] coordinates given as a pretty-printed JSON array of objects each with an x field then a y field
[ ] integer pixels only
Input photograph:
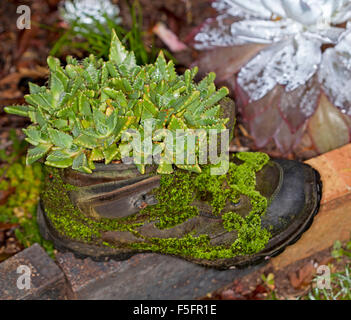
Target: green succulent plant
[{"x": 80, "y": 117}]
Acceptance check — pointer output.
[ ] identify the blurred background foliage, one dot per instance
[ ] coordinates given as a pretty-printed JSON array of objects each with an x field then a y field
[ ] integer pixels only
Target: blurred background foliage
[{"x": 20, "y": 187}]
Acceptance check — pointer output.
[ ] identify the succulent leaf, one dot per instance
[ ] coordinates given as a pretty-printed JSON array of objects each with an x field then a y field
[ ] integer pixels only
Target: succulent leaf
[
  {"x": 118, "y": 54},
  {"x": 86, "y": 141},
  {"x": 60, "y": 139},
  {"x": 36, "y": 153},
  {"x": 19, "y": 110},
  {"x": 110, "y": 153},
  {"x": 165, "y": 168},
  {"x": 34, "y": 136},
  {"x": 34, "y": 88},
  {"x": 80, "y": 163}
]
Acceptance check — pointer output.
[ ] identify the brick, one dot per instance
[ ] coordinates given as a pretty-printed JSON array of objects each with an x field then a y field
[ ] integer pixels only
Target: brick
[
  {"x": 47, "y": 279},
  {"x": 143, "y": 276},
  {"x": 340, "y": 161},
  {"x": 333, "y": 185}
]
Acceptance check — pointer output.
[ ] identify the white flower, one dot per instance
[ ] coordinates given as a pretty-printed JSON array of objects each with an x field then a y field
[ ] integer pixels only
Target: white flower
[
  {"x": 296, "y": 33},
  {"x": 83, "y": 11}
]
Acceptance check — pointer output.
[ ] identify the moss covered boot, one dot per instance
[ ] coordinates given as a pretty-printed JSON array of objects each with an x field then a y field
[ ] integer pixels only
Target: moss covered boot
[{"x": 253, "y": 212}]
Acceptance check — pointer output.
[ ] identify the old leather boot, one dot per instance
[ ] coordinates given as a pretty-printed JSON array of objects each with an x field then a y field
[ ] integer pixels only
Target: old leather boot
[{"x": 254, "y": 212}]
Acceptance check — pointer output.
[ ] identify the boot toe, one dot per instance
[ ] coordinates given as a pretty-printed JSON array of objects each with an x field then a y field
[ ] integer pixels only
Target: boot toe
[{"x": 295, "y": 202}]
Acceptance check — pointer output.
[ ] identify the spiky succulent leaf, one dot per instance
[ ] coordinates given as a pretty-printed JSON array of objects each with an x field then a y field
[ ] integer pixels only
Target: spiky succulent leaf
[
  {"x": 36, "y": 153},
  {"x": 165, "y": 168},
  {"x": 193, "y": 168},
  {"x": 109, "y": 153},
  {"x": 19, "y": 110},
  {"x": 60, "y": 139},
  {"x": 119, "y": 55},
  {"x": 34, "y": 136},
  {"x": 80, "y": 163}
]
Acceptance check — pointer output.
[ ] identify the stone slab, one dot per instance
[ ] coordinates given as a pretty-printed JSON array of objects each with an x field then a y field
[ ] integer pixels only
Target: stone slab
[
  {"x": 47, "y": 281},
  {"x": 143, "y": 277}
]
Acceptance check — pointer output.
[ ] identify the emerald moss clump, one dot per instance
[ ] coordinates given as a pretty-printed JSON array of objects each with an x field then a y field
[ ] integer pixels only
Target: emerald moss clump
[
  {"x": 82, "y": 116},
  {"x": 176, "y": 196}
]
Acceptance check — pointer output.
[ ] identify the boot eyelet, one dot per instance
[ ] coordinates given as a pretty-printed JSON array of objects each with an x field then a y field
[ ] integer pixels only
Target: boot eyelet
[{"x": 236, "y": 204}]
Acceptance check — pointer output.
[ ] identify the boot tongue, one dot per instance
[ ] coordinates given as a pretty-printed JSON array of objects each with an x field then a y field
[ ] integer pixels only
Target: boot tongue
[{"x": 268, "y": 180}]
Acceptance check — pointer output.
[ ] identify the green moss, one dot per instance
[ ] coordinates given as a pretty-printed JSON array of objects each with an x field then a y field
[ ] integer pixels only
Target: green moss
[
  {"x": 179, "y": 190},
  {"x": 188, "y": 246},
  {"x": 252, "y": 238},
  {"x": 213, "y": 189},
  {"x": 176, "y": 192},
  {"x": 176, "y": 196}
]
